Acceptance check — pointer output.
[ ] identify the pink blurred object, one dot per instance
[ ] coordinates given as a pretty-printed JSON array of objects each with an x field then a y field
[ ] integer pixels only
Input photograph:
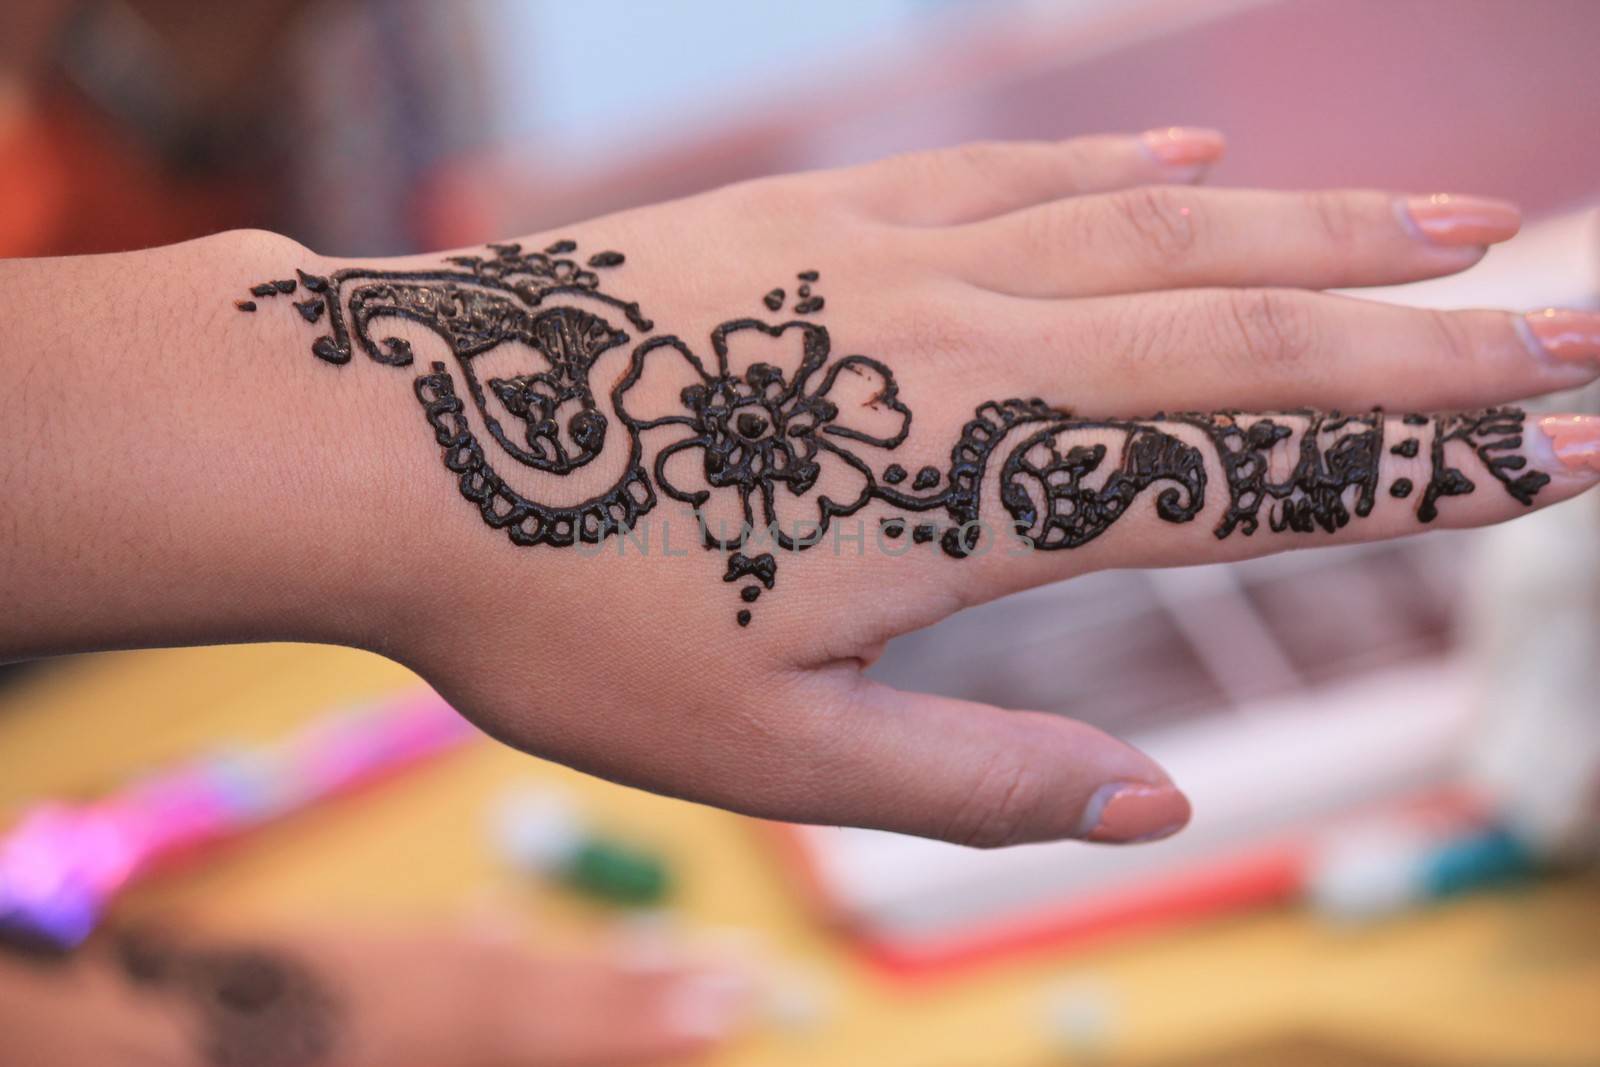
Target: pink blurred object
[
  {"x": 1468, "y": 95},
  {"x": 62, "y": 864}
]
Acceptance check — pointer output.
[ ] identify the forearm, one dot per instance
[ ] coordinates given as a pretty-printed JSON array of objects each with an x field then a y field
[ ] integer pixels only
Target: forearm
[{"x": 172, "y": 476}]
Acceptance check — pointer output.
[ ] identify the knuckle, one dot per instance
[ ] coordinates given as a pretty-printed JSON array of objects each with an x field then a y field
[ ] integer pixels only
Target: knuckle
[
  {"x": 941, "y": 166},
  {"x": 929, "y": 332},
  {"x": 784, "y": 197},
  {"x": 1452, "y": 338},
  {"x": 979, "y": 158},
  {"x": 999, "y": 808},
  {"x": 1271, "y": 327},
  {"x": 1048, "y": 231},
  {"x": 1137, "y": 342},
  {"x": 902, "y": 167},
  {"x": 1093, "y": 152},
  {"x": 1163, "y": 220},
  {"x": 1013, "y": 169},
  {"x": 1076, "y": 159},
  {"x": 1125, "y": 340},
  {"x": 1336, "y": 216}
]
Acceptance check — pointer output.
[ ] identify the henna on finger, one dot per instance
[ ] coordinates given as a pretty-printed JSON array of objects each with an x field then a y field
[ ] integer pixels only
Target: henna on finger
[
  {"x": 254, "y": 1006},
  {"x": 766, "y": 439}
]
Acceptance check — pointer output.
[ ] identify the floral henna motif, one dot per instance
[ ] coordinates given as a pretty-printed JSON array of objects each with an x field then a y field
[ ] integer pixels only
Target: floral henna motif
[
  {"x": 774, "y": 438},
  {"x": 762, "y": 432}
]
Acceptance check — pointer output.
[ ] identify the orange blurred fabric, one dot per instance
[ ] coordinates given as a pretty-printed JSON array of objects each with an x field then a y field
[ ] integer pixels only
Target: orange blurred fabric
[{"x": 72, "y": 184}]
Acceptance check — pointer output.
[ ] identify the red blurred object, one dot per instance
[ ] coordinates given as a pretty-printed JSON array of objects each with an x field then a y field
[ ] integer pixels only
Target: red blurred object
[
  {"x": 1266, "y": 874},
  {"x": 72, "y": 184}
]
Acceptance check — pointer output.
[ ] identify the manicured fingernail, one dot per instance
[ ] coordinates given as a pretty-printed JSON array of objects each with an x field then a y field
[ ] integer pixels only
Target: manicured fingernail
[
  {"x": 709, "y": 1005},
  {"x": 1575, "y": 439},
  {"x": 1570, "y": 336},
  {"x": 1183, "y": 146},
  {"x": 1448, "y": 219},
  {"x": 1125, "y": 812}
]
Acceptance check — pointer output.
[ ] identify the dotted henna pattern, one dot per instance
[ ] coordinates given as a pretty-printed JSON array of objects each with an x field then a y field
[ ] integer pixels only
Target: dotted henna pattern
[{"x": 764, "y": 436}]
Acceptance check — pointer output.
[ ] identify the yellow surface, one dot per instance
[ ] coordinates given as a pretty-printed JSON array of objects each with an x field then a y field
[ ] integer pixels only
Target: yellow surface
[{"x": 1498, "y": 978}]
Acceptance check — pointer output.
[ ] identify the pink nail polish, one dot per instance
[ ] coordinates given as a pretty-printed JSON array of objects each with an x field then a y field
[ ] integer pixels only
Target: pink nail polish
[
  {"x": 1124, "y": 813},
  {"x": 1448, "y": 219},
  {"x": 1566, "y": 335},
  {"x": 1183, "y": 146},
  {"x": 1575, "y": 439}
]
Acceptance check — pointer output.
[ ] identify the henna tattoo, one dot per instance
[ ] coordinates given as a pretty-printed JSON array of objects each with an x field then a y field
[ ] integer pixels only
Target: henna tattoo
[
  {"x": 1490, "y": 434},
  {"x": 776, "y": 441},
  {"x": 762, "y": 568},
  {"x": 526, "y": 521},
  {"x": 256, "y": 1007},
  {"x": 1336, "y": 453},
  {"x": 1047, "y": 492}
]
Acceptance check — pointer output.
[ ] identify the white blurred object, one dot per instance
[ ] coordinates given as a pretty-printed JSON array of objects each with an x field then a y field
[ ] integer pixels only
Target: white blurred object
[
  {"x": 1386, "y": 865},
  {"x": 1535, "y": 635},
  {"x": 798, "y": 999},
  {"x": 1081, "y": 1017},
  {"x": 536, "y": 829},
  {"x": 1367, "y": 871}
]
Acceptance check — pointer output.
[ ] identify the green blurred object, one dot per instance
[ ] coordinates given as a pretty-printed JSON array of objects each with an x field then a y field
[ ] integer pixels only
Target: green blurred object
[
  {"x": 543, "y": 832},
  {"x": 617, "y": 874}
]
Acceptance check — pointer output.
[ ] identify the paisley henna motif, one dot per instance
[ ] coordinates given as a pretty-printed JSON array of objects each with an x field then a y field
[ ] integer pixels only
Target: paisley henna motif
[{"x": 766, "y": 435}]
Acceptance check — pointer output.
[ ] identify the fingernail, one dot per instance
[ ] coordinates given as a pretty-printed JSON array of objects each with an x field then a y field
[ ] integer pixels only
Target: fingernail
[
  {"x": 1575, "y": 439},
  {"x": 1125, "y": 813},
  {"x": 1569, "y": 336},
  {"x": 709, "y": 1005},
  {"x": 1448, "y": 219},
  {"x": 1183, "y": 146}
]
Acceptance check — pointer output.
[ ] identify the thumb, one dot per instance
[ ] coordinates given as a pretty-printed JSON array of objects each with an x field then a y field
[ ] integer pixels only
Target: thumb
[{"x": 982, "y": 776}]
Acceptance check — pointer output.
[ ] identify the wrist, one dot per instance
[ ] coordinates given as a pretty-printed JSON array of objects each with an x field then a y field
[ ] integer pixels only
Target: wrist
[{"x": 189, "y": 472}]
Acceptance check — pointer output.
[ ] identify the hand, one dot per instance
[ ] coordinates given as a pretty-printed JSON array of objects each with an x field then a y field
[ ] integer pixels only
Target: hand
[
  {"x": 474, "y": 996},
  {"x": 837, "y": 354}
]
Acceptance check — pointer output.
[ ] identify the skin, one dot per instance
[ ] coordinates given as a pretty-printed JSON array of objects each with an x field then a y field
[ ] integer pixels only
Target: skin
[
  {"x": 192, "y": 474},
  {"x": 467, "y": 997}
]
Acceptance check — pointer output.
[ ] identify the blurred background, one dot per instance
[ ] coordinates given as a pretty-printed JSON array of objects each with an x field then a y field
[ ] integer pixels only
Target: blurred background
[{"x": 1418, "y": 888}]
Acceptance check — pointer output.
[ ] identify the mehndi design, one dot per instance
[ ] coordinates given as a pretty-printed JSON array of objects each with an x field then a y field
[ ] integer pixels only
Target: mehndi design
[
  {"x": 255, "y": 1007},
  {"x": 764, "y": 435}
]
